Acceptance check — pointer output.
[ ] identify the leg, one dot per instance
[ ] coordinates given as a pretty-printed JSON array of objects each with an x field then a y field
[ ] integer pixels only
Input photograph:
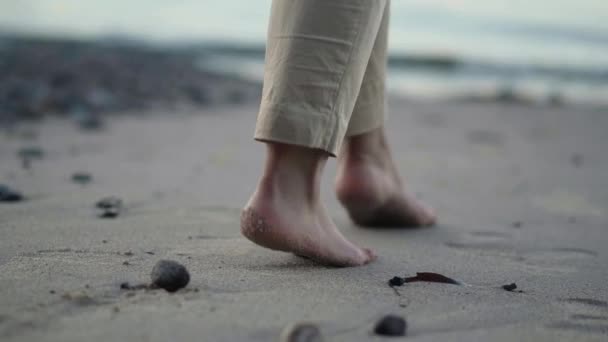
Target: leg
[
  {"x": 317, "y": 52},
  {"x": 316, "y": 56},
  {"x": 368, "y": 183}
]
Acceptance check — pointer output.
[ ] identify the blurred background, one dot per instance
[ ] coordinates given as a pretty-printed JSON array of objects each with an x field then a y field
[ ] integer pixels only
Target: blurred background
[{"x": 542, "y": 52}]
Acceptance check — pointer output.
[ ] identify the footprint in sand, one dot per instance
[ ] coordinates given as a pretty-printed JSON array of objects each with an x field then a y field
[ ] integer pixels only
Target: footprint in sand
[
  {"x": 585, "y": 315},
  {"x": 488, "y": 241}
]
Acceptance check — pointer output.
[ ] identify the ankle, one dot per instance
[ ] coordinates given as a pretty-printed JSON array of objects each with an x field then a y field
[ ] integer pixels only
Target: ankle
[
  {"x": 293, "y": 171},
  {"x": 370, "y": 147}
]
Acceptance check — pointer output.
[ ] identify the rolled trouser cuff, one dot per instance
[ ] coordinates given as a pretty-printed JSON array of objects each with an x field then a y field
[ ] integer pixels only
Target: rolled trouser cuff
[{"x": 300, "y": 127}]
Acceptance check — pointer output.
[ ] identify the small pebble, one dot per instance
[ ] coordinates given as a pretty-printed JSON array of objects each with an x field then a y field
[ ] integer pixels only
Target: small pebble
[
  {"x": 510, "y": 287},
  {"x": 82, "y": 178},
  {"x": 129, "y": 253},
  {"x": 9, "y": 195},
  {"x": 31, "y": 153},
  {"x": 301, "y": 332},
  {"x": 396, "y": 281},
  {"x": 126, "y": 263},
  {"x": 391, "y": 325},
  {"x": 28, "y": 154},
  {"x": 110, "y": 213},
  {"x": 517, "y": 224},
  {"x": 170, "y": 275},
  {"x": 110, "y": 207}
]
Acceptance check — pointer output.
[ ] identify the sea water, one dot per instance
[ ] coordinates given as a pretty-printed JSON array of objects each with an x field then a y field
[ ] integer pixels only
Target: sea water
[{"x": 537, "y": 50}]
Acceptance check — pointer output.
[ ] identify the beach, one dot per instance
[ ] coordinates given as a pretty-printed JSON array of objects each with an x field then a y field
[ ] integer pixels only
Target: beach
[{"x": 520, "y": 191}]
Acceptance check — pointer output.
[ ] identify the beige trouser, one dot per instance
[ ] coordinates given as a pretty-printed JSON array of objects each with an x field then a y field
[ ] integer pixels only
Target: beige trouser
[{"x": 325, "y": 72}]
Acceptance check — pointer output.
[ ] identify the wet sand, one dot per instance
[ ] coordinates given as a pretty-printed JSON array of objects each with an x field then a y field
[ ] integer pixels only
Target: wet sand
[{"x": 521, "y": 194}]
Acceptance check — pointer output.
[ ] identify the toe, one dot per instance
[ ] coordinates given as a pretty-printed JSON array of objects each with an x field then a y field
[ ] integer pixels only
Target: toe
[
  {"x": 371, "y": 256},
  {"x": 428, "y": 217}
]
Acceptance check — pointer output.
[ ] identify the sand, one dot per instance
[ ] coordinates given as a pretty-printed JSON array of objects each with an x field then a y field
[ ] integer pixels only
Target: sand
[{"x": 521, "y": 194}]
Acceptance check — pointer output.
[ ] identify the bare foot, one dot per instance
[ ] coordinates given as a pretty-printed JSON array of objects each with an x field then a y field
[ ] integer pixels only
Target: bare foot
[
  {"x": 285, "y": 212},
  {"x": 369, "y": 187}
]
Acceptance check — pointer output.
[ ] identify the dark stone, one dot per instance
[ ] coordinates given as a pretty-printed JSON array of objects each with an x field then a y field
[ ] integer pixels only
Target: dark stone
[
  {"x": 510, "y": 287},
  {"x": 31, "y": 153},
  {"x": 301, "y": 332},
  {"x": 170, "y": 275},
  {"x": 28, "y": 154},
  {"x": 110, "y": 213},
  {"x": 108, "y": 202},
  {"x": 129, "y": 253},
  {"x": 396, "y": 281},
  {"x": 82, "y": 178},
  {"x": 391, "y": 325},
  {"x": 9, "y": 195},
  {"x": 517, "y": 224},
  {"x": 110, "y": 207}
]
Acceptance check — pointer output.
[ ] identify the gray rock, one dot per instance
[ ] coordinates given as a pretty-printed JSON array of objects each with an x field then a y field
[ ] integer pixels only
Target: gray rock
[
  {"x": 9, "y": 195},
  {"x": 110, "y": 207},
  {"x": 391, "y": 325},
  {"x": 31, "y": 153},
  {"x": 82, "y": 178},
  {"x": 170, "y": 275}
]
